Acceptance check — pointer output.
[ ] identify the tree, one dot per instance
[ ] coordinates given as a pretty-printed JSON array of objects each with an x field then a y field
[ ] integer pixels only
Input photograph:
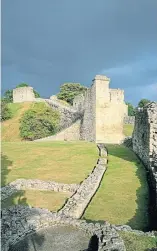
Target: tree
[
  {"x": 143, "y": 102},
  {"x": 22, "y": 85},
  {"x": 5, "y": 111},
  {"x": 68, "y": 91},
  {"x": 131, "y": 109},
  {"x": 38, "y": 122},
  {"x": 8, "y": 96}
]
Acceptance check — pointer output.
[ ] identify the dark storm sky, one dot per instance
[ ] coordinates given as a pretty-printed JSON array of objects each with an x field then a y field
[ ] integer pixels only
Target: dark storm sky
[{"x": 48, "y": 42}]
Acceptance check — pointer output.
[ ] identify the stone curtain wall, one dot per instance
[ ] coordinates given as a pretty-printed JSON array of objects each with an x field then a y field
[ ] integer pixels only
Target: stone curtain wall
[
  {"x": 78, "y": 102},
  {"x": 116, "y": 95},
  {"x": 145, "y": 145},
  {"x": 129, "y": 120},
  {"x": 23, "y": 94},
  {"x": 68, "y": 114},
  {"x": 87, "y": 130}
]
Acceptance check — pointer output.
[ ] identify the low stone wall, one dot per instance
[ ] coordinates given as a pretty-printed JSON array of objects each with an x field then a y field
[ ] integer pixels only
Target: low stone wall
[
  {"x": 128, "y": 229},
  {"x": 145, "y": 146},
  {"x": 129, "y": 120},
  {"x": 29, "y": 184},
  {"x": 77, "y": 204},
  {"x": 19, "y": 221}
]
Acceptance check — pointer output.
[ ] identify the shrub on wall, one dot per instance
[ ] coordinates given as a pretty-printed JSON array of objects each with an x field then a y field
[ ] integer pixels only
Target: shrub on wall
[
  {"x": 69, "y": 91},
  {"x": 38, "y": 122},
  {"x": 5, "y": 111}
]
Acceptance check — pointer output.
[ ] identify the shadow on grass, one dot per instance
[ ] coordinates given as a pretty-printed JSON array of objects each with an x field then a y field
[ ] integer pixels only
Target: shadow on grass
[
  {"x": 151, "y": 249},
  {"x": 17, "y": 199},
  {"x": 141, "y": 216}
]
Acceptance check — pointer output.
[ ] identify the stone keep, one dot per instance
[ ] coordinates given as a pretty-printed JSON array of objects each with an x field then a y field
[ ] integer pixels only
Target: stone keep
[
  {"x": 104, "y": 111},
  {"x": 23, "y": 94}
]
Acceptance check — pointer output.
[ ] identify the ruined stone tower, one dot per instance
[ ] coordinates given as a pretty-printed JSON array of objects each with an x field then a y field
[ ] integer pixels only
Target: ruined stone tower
[
  {"x": 23, "y": 94},
  {"x": 104, "y": 111}
]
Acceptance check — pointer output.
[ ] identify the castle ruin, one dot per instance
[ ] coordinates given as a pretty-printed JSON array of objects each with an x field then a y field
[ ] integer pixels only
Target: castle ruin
[
  {"x": 96, "y": 116},
  {"x": 103, "y": 112},
  {"x": 23, "y": 94}
]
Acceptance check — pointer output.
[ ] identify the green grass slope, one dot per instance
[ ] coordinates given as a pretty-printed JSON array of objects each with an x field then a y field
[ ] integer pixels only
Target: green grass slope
[
  {"x": 67, "y": 162},
  {"x": 128, "y": 129},
  {"x": 10, "y": 128},
  {"x": 122, "y": 197}
]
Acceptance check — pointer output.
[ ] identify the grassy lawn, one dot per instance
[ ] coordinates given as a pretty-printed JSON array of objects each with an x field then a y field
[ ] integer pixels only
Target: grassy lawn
[
  {"x": 123, "y": 194},
  {"x": 128, "y": 130},
  {"x": 43, "y": 199},
  {"x": 67, "y": 162},
  {"x": 138, "y": 243},
  {"x": 10, "y": 128}
]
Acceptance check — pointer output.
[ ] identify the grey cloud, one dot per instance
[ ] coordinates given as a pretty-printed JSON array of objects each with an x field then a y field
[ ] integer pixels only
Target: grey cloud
[{"x": 74, "y": 40}]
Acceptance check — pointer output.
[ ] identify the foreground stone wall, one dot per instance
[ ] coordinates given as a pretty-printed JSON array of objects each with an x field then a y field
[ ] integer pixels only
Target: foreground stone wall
[
  {"x": 19, "y": 221},
  {"x": 145, "y": 145},
  {"x": 23, "y": 94}
]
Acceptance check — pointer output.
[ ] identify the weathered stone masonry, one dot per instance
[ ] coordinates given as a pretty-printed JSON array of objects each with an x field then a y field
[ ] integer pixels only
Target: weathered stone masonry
[
  {"x": 145, "y": 146},
  {"x": 104, "y": 111},
  {"x": 28, "y": 184},
  {"x": 77, "y": 204},
  {"x": 19, "y": 221},
  {"x": 22, "y": 94}
]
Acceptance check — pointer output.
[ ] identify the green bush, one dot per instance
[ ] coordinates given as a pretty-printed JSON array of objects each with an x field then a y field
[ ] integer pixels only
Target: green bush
[
  {"x": 5, "y": 111},
  {"x": 38, "y": 122}
]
